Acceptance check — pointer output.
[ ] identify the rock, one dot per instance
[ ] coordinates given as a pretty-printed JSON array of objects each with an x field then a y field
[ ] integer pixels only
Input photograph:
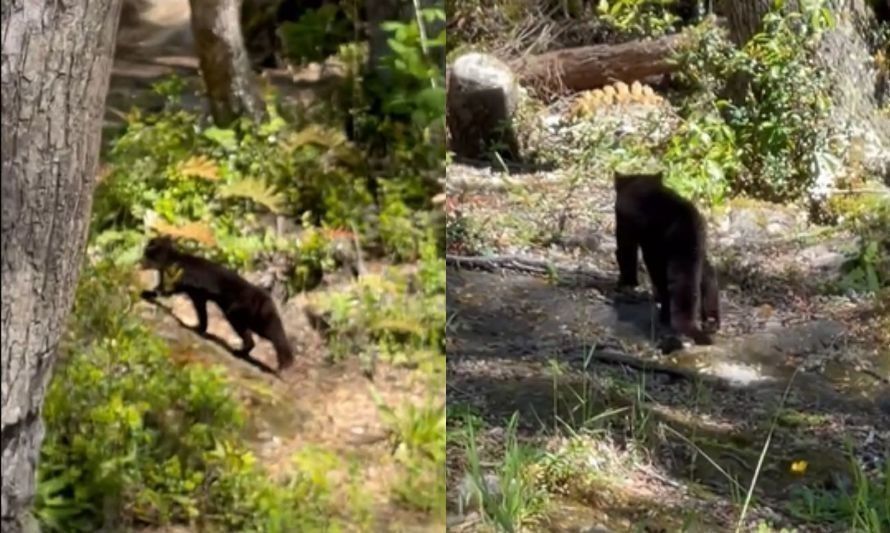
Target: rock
[
  {"x": 599, "y": 528},
  {"x": 467, "y": 500},
  {"x": 147, "y": 279},
  {"x": 753, "y": 222},
  {"x": 828, "y": 259},
  {"x": 482, "y": 96},
  {"x": 453, "y": 520}
]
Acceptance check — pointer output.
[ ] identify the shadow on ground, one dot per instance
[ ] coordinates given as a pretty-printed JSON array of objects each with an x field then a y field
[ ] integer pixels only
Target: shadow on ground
[{"x": 561, "y": 353}]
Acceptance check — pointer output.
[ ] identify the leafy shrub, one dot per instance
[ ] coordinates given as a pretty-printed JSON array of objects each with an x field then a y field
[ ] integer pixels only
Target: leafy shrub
[
  {"x": 776, "y": 100},
  {"x": 868, "y": 216},
  {"x": 317, "y": 34},
  {"x": 702, "y": 158},
  {"x": 419, "y": 433},
  {"x": 410, "y": 121},
  {"x": 381, "y": 313},
  {"x": 133, "y": 438},
  {"x": 638, "y": 17}
]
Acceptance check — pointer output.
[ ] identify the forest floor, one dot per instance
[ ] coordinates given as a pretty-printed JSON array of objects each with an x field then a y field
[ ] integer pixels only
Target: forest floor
[
  {"x": 619, "y": 437},
  {"x": 327, "y": 416},
  {"x": 320, "y": 413}
]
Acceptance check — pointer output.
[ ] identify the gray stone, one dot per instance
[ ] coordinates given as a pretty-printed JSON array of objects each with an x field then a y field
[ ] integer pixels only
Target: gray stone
[{"x": 482, "y": 96}]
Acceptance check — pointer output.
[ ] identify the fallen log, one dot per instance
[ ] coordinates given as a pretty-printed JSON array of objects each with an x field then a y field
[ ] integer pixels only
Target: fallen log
[{"x": 590, "y": 67}]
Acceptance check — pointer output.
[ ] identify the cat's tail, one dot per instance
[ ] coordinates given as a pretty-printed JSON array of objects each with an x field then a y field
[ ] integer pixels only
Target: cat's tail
[{"x": 284, "y": 351}]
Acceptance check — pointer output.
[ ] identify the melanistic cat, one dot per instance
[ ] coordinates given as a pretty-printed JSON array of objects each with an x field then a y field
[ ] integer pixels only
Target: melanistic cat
[
  {"x": 672, "y": 234},
  {"x": 247, "y": 307}
]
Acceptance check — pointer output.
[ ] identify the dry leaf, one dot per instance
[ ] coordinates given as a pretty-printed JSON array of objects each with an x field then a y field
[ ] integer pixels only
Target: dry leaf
[
  {"x": 196, "y": 231},
  {"x": 199, "y": 167}
]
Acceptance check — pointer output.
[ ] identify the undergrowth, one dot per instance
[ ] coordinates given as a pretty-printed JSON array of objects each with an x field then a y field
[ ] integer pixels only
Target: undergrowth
[
  {"x": 771, "y": 97},
  {"x": 743, "y": 121},
  {"x": 135, "y": 438}
]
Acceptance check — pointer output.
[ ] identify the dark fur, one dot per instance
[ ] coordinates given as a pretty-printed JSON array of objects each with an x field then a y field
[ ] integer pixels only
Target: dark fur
[
  {"x": 672, "y": 235},
  {"x": 710, "y": 297},
  {"x": 246, "y": 307}
]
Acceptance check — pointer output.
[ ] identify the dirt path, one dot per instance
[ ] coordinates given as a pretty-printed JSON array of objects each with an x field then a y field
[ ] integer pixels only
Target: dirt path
[{"x": 316, "y": 407}]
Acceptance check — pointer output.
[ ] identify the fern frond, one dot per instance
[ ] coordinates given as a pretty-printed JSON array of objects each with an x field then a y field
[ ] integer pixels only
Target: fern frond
[
  {"x": 337, "y": 233},
  {"x": 346, "y": 154},
  {"x": 196, "y": 231},
  {"x": 317, "y": 135},
  {"x": 199, "y": 166},
  {"x": 255, "y": 190}
]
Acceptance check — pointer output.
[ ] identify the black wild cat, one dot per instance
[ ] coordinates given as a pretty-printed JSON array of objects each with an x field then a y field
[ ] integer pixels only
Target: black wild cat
[
  {"x": 672, "y": 235},
  {"x": 710, "y": 298},
  {"x": 246, "y": 307}
]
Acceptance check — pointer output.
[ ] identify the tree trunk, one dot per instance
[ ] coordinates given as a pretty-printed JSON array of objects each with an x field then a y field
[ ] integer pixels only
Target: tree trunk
[
  {"x": 225, "y": 67},
  {"x": 589, "y": 67},
  {"x": 743, "y": 17},
  {"x": 380, "y": 11},
  {"x": 845, "y": 57},
  {"x": 56, "y": 63}
]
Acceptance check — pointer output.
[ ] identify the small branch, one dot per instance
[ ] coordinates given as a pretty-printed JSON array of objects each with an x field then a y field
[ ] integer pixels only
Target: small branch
[
  {"x": 564, "y": 275},
  {"x": 589, "y": 67}
]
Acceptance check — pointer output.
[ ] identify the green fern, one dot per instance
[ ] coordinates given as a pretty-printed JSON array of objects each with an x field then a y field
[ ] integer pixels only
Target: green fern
[
  {"x": 316, "y": 135},
  {"x": 255, "y": 190}
]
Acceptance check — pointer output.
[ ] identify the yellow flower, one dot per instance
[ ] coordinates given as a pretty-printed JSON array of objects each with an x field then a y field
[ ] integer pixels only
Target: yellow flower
[{"x": 799, "y": 467}]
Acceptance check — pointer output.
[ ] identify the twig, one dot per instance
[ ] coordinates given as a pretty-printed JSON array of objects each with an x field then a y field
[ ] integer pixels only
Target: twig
[
  {"x": 862, "y": 190},
  {"x": 613, "y": 357},
  {"x": 529, "y": 266},
  {"x": 874, "y": 374},
  {"x": 667, "y": 481},
  {"x": 418, "y": 15}
]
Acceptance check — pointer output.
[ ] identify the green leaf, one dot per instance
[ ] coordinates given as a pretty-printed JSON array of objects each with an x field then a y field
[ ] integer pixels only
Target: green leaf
[
  {"x": 273, "y": 126},
  {"x": 224, "y": 137},
  {"x": 714, "y": 171},
  {"x": 255, "y": 190},
  {"x": 432, "y": 98},
  {"x": 391, "y": 26}
]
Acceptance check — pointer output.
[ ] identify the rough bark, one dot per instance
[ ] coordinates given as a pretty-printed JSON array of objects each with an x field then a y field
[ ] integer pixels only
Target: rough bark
[
  {"x": 744, "y": 17},
  {"x": 380, "y": 11},
  {"x": 225, "y": 66},
  {"x": 589, "y": 67},
  {"x": 56, "y": 63},
  {"x": 845, "y": 58}
]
